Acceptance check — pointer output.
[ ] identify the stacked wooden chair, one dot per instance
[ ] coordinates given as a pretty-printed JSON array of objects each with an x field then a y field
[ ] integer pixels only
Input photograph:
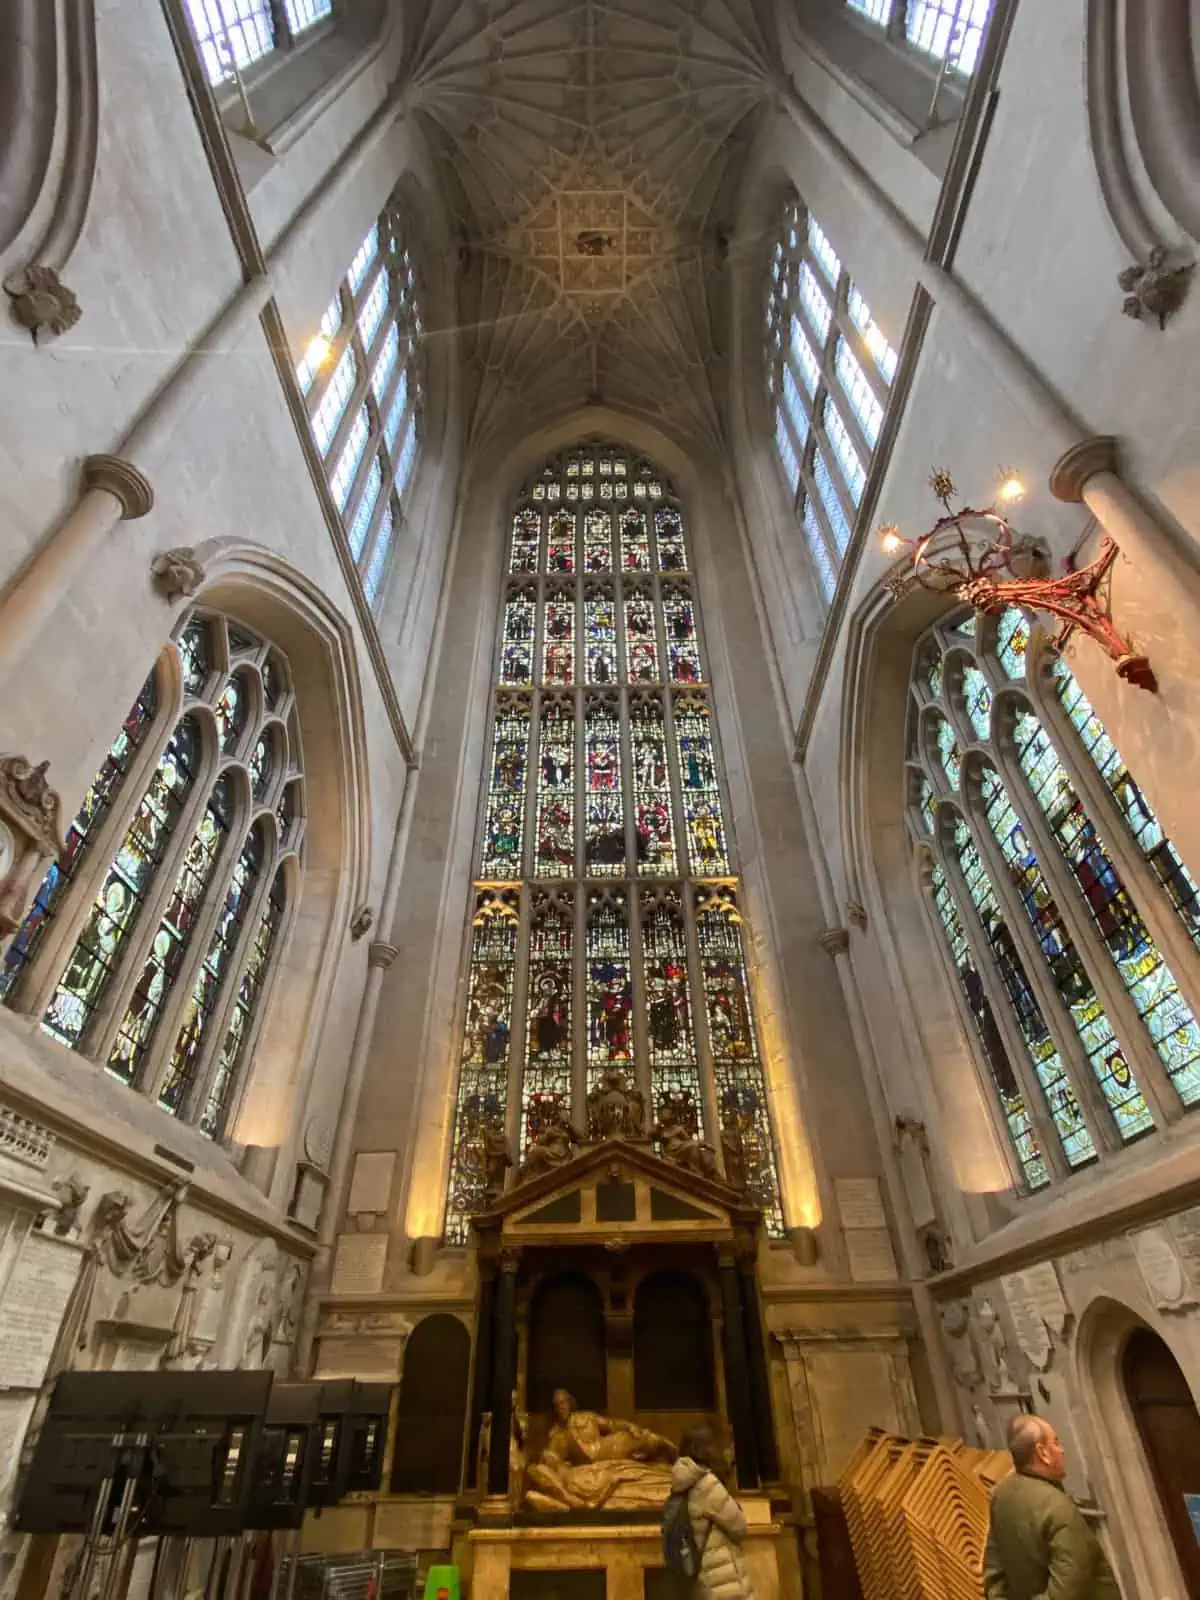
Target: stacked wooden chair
[{"x": 917, "y": 1512}]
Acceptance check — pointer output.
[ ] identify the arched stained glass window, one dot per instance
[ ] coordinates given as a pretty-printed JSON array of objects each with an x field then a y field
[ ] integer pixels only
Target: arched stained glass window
[
  {"x": 607, "y": 929},
  {"x": 829, "y": 373},
  {"x": 1075, "y": 963},
  {"x": 171, "y": 937},
  {"x": 362, "y": 377}
]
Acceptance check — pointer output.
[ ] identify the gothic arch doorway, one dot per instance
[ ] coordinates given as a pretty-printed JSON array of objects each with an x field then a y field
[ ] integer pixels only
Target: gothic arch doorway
[{"x": 1168, "y": 1423}]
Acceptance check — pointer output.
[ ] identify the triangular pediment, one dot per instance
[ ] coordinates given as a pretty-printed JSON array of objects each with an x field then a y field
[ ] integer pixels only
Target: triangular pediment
[{"x": 617, "y": 1189}]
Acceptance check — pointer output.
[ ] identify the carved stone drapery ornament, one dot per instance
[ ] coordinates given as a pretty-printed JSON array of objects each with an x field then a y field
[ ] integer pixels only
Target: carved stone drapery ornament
[
  {"x": 1156, "y": 291},
  {"x": 177, "y": 573},
  {"x": 148, "y": 1250},
  {"x": 30, "y": 834},
  {"x": 42, "y": 303},
  {"x": 615, "y": 1110}
]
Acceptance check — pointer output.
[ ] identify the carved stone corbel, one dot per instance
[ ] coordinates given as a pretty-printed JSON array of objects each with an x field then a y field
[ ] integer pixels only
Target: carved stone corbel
[
  {"x": 381, "y": 954},
  {"x": 361, "y": 923},
  {"x": 1156, "y": 291},
  {"x": 177, "y": 573},
  {"x": 834, "y": 941},
  {"x": 30, "y": 834},
  {"x": 124, "y": 481},
  {"x": 42, "y": 303}
]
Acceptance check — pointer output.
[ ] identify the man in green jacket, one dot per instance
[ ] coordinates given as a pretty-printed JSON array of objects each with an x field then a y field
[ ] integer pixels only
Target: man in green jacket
[{"x": 1039, "y": 1546}]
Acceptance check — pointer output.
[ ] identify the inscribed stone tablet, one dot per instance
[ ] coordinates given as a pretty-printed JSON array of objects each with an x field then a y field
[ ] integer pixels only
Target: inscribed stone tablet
[
  {"x": 871, "y": 1258},
  {"x": 859, "y": 1203},
  {"x": 32, "y": 1307},
  {"x": 371, "y": 1185},
  {"x": 358, "y": 1263}
]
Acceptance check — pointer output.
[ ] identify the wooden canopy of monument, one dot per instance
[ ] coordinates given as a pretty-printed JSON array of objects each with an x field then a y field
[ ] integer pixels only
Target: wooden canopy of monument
[{"x": 618, "y": 1193}]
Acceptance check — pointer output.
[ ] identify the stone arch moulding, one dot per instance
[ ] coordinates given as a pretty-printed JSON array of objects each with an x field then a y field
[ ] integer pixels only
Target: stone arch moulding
[
  {"x": 49, "y": 126},
  {"x": 1114, "y": 1445},
  {"x": 257, "y": 586},
  {"x": 1143, "y": 98}
]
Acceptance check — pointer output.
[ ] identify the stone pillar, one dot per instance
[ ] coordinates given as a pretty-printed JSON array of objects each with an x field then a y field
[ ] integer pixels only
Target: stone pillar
[
  {"x": 756, "y": 1368},
  {"x": 737, "y": 1377},
  {"x": 481, "y": 1393},
  {"x": 114, "y": 491},
  {"x": 1088, "y": 474},
  {"x": 504, "y": 1362}
]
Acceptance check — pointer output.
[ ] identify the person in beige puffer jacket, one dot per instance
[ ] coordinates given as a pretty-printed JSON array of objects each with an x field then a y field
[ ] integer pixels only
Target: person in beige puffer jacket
[{"x": 718, "y": 1522}]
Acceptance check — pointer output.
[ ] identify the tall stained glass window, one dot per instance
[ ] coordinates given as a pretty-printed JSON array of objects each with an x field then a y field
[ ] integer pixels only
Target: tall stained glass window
[
  {"x": 362, "y": 379},
  {"x": 607, "y": 931},
  {"x": 1066, "y": 915},
  {"x": 829, "y": 371},
  {"x": 149, "y": 943}
]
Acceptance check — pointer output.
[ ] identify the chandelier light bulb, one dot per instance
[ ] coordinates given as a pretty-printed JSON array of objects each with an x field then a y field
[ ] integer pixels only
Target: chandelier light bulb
[
  {"x": 1010, "y": 489},
  {"x": 889, "y": 539}
]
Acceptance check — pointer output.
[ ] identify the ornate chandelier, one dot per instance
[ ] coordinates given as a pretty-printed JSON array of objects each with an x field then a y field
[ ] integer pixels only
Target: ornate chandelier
[{"x": 977, "y": 557}]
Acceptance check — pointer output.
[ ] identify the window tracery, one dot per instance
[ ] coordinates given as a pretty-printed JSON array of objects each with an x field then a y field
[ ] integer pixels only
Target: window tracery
[
  {"x": 362, "y": 378},
  {"x": 154, "y": 960},
  {"x": 607, "y": 928},
  {"x": 948, "y": 30},
  {"x": 232, "y": 35},
  {"x": 1066, "y": 915},
  {"x": 829, "y": 374}
]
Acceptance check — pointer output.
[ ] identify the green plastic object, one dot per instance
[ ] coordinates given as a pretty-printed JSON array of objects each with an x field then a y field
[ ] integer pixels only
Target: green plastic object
[{"x": 441, "y": 1583}]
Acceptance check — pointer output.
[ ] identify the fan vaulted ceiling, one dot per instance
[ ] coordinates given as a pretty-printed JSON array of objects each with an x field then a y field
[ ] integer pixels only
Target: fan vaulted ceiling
[{"x": 583, "y": 145}]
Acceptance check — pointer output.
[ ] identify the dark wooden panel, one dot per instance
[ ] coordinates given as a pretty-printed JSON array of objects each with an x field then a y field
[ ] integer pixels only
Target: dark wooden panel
[{"x": 559, "y": 1583}]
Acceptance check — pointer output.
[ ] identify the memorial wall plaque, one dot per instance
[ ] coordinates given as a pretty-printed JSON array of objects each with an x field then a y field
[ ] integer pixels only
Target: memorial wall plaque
[
  {"x": 371, "y": 1183},
  {"x": 859, "y": 1203},
  {"x": 358, "y": 1263},
  {"x": 32, "y": 1306},
  {"x": 871, "y": 1257},
  {"x": 1032, "y": 1334}
]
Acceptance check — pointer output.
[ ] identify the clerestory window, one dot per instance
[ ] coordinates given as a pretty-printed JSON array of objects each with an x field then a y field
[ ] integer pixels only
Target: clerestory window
[{"x": 950, "y": 31}]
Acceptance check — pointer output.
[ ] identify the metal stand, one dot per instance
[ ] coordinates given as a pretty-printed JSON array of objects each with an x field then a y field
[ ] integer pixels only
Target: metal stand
[{"x": 129, "y": 1450}]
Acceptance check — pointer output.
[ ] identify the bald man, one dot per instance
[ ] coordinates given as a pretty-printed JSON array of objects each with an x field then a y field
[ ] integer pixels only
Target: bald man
[{"x": 1039, "y": 1546}]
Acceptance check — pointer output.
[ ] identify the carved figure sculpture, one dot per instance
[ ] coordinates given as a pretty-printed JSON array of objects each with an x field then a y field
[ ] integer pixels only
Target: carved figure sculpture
[
  {"x": 496, "y": 1160},
  {"x": 615, "y": 1111},
  {"x": 591, "y": 1461},
  {"x": 554, "y": 1144},
  {"x": 679, "y": 1143}
]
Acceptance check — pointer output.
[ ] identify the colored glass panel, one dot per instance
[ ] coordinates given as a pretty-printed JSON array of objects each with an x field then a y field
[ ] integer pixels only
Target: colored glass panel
[
  {"x": 227, "y": 1071},
  {"x": 547, "y": 1074},
  {"x": 978, "y": 696},
  {"x": 1040, "y": 1047},
  {"x": 1146, "y": 976},
  {"x": 504, "y": 829},
  {"x": 1012, "y": 1101},
  {"x": 526, "y": 538},
  {"x": 746, "y": 1139},
  {"x": 231, "y": 711},
  {"x": 1012, "y": 642},
  {"x": 927, "y": 804},
  {"x": 635, "y": 540},
  {"x": 554, "y": 854},
  {"x": 482, "y": 1100},
  {"x": 683, "y": 648},
  {"x": 600, "y": 638},
  {"x": 195, "y": 656},
  {"x": 1139, "y": 816},
  {"x": 558, "y": 639},
  {"x": 933, "y": 674},
  {"x": 516, "y": 649},
  {"x": 604, "y": 825},
  {"x": 262, "y": 766},
  {"x": 1105, "y": 1055},
  {"x": 675, "y": 1089},
  {"x": 172, "y": 938},
  {"x": 609, "y": 988},
  {"x": 597, "y": 541},
  {"x": 708, "y": 853},
  {"x": 948, "y": 752},
  {"x": 641, "y": 638},
  {"x": 560, "y": 550},
  {"x": 81, "y": 836},
  {"x": 668, "y": 539},
  {"x": 202, "y": 1002},
  {"x": 116, "y": 908},
  {"x": 654, "y": 829}
]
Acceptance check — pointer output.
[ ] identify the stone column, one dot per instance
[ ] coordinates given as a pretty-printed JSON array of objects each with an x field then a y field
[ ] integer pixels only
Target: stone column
[
  {"x": 1088, "y": 474},
  {"x": 756, "y": 1367},
  {"x": 504, "y": 1362},
  {"x": 114, "y": 491},
  {"x": 737, "y": 1377},
  {"x": 481, "y": 1393}
]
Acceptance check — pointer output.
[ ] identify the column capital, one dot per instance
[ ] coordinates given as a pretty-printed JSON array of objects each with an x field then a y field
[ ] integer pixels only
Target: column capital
[
  {"x": 1082, "y": 461},
  {"x": 123, "y": 481},
  {"x": 834, "y": 941},
  {"x": 381, "y": 954}
]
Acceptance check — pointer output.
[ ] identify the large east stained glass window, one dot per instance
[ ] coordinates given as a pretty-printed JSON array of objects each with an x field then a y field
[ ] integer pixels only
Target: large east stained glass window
[
  {"x": 607, "y": 928},
  {"x": 1065, "y": 913},
  {"x": 149, "y": 943},
  {"x": 829, "y": 372},
  {"x": 361, "y": 377}
]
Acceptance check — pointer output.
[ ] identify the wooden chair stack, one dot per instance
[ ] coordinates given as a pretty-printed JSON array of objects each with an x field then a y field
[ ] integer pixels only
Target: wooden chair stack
[{"x": 917, "y": 1511}]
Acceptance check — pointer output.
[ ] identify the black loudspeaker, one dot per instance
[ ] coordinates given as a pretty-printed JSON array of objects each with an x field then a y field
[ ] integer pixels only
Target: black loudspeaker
[
  {"x": 178, "y": 1448},
  {"x": 286, "y": 1458},
  {"x": 351, "y": 1440}
]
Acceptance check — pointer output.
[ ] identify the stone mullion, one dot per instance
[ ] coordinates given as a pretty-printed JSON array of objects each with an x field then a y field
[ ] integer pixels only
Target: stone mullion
[
  {"x": 516, "y": 1040},
  {"x": 704, "y": 1055},
  {"x": 1149, "y": 895},
  {"x": 1131, "y": 1032},
  {"x": 1014, "y": 1042},
  {"x": 579, "y": 1011},
  {"x": 675, "y": 782},
  {"x": 1053, "y": 1006}
]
